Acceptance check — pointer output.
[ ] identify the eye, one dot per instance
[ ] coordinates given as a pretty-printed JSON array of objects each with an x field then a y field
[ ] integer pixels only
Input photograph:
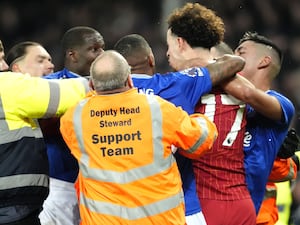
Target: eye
[{"x": 239, "y": 52}]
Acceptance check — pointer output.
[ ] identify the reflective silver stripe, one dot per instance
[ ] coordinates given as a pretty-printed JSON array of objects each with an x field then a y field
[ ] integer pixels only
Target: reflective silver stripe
[
  {"x": 203, "y": 124},
  {"x": 157, "y": 132},
  {"x": 78, "y": 131},
  {"x": 3, "y": 123},
  {"x": 7, "y": 136},
  {"x": 54, "y": 98},
  {"x": 126, "y": 177},
  {"x": 85, "y": 82},
  {"x": 291, "y": 173},
  {"x": 130, "y": 213},
  {"x": 159, "y": 164},
  {"x": 270, "y": 194},
  {"x": 24, "y": 180}
]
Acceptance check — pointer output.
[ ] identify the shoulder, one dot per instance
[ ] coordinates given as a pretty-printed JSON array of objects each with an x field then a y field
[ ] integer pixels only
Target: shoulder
[
  {"x": 287, "y": 106},
  {"x": 194, "y": 72},
  {"x": 62, "y": 74}
]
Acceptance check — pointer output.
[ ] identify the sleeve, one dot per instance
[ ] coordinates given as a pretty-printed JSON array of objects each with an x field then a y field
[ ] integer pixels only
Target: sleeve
[
  {"x": 194, "y": 134},
  {"x": 197, "y": 82},
  {"x": 287, "y": 107},
  {"x": 41, "y": 98},
  {"x": 191, "y": 83},
  {"x": 283, "y": 170}
]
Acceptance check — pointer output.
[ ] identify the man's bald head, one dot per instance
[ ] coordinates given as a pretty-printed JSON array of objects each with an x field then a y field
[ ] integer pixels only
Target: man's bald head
[{"x": 109, "y": 71}]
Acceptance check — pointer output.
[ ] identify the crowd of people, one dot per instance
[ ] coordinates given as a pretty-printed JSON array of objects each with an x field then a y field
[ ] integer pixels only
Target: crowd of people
[{"x": 217, "y": 136}]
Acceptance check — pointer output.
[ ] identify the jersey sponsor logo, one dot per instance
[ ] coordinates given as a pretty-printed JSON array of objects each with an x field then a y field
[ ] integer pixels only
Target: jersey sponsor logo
[
  {"x": 247, "y": 139},
  {"x": 192, "y": 72}
]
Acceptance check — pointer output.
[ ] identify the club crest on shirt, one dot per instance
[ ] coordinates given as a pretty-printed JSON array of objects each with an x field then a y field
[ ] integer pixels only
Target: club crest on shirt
[{"x": 192, "y": 72}]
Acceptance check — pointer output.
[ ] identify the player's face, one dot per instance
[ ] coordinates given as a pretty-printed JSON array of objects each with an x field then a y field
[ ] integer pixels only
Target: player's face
[
  {"x": 37, "y": 62},
  {"x": 247, "y": 50},
  {"x": 3, "y": 64},
  {"x": 174, "y": 52},
  {"x": 87, "y": 53}
]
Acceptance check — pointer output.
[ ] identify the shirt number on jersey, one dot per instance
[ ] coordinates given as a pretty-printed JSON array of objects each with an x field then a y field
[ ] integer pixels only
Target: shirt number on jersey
[{"x": 210, "y": 110}]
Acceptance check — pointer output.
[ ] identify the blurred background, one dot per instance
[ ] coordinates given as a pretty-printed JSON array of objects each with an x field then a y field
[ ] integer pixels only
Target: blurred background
[{"x": 46, "y": 22}]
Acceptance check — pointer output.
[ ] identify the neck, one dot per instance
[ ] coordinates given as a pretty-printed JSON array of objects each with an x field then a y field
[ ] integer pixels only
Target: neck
[
  {"x": 200, "y": 53},
  {"x": 73, "y": 68},
  {"x": 143, "y": 70},
  {"x": 114, "y": 91},
  {"x": 261, "y": 81}
]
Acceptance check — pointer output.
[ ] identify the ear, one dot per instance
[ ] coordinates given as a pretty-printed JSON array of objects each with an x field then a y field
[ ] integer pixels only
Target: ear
[
  {"x": 151, "y": 60},
  {"x": 130, "y": 82},
  {"x": 181, "y": 43},
  {"x": 265, "y": 62},
  {"x": 15, "y": 68},
  {"x": 91, "y": 84},
  {"x": 72, "y": 54}
]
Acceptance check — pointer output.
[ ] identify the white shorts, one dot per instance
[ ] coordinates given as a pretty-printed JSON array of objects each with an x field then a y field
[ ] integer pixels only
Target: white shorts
[
  {"x": 195, "y": 219},
  {"x": 61, "y": 205}
]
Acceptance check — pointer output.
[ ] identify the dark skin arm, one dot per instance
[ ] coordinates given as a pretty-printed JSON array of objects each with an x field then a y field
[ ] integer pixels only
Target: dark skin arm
[{"x": 224, "y": 68}]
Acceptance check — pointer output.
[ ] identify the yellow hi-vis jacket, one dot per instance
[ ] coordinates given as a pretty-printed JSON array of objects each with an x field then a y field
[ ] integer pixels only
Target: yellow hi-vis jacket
[
  {"x": 23, "y": 157},
  {"x": 127, "y": 171}
]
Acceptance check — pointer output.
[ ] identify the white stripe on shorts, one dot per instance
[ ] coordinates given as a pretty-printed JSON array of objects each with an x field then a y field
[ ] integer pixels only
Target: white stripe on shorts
[{"x": 195, "y": 219}]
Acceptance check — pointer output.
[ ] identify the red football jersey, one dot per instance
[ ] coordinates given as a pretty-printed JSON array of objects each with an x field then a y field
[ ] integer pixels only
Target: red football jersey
[{"x": 220, "y": 173}]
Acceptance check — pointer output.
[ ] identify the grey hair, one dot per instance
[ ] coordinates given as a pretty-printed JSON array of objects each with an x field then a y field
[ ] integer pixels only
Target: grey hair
[{"x": 109, "y": 71}]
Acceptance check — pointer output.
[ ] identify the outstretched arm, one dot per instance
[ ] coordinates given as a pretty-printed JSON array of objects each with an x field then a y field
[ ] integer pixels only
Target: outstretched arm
[{"x": 221, "y": 69}]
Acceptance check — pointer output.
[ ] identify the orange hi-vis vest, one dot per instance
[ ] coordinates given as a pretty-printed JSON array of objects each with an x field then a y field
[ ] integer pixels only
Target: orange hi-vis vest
[
  {"x": 282, "y": 170},
  {"x": 127, "y": 171}
]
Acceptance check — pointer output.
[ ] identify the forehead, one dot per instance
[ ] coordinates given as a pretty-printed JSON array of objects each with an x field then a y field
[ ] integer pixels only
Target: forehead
[
  {"x": 36, "y": 51},
  {"x": 246, "y": 45},
  {"x": 93, "y": 38},
  {"x": 170, "y": 36}
]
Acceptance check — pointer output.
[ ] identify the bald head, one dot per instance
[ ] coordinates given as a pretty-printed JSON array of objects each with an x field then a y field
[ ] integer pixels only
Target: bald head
[{"x": 109, "y": 72}]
